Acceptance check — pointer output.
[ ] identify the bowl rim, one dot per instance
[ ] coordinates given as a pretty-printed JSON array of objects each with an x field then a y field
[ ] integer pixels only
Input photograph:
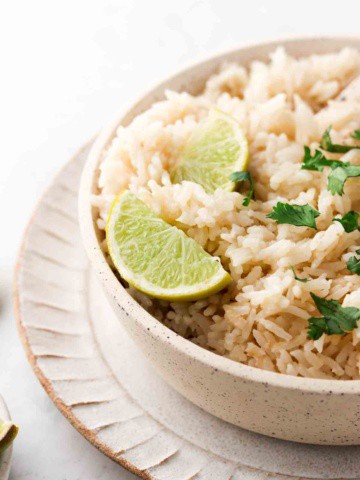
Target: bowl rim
[{"x": 131, "y": 307}]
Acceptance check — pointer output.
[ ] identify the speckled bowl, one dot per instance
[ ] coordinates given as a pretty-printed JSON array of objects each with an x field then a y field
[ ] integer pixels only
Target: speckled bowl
[{"x": 282, "y": 406}]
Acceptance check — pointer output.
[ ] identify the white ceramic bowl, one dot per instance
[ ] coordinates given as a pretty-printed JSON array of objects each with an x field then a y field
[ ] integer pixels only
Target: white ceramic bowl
[{"x": 282, "y": 406}]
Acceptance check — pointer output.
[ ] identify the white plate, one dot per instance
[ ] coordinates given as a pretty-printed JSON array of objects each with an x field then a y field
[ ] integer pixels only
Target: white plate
[
  {"x": 104, "y": 385},
  {"x": 5, "y": 458}
]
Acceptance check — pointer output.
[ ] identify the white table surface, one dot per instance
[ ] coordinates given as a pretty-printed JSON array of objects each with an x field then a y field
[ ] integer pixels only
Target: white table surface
[{"x": 66, "y": 67}]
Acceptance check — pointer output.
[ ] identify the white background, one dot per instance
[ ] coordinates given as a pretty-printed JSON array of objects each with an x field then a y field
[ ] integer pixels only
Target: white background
[{"x": 65, "y": 68}]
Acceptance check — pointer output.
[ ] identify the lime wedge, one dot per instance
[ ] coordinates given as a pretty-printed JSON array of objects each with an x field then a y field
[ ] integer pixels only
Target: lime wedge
[
  {"x": 158, "y": 258},
  {"x": 8, "y": 432},
  {"x": 216, "y": 149}
]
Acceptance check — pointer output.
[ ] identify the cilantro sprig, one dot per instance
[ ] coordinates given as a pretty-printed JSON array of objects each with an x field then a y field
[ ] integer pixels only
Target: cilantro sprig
[
  {"x": 336, "y": 320},
  {"x": 353, "y": 265},
  {"x": 341, "y": 171},
  {"x": 298, "y": 215},
  {"x": 327, "y": 145},
  {"x": 356, "y": 135},
  {"x": 318, "y": 161},
  {"x": 338, "y": 177},
  {"x": 239, "y": 177},
  {"x": 349, "y": 221}
]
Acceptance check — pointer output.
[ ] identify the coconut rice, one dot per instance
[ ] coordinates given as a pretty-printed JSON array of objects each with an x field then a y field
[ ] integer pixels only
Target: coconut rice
[{"x": 261, "y": 320}]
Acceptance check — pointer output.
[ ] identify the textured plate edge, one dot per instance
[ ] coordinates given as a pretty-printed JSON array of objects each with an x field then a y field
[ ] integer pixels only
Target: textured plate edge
[{"x": 64, "y": 409}]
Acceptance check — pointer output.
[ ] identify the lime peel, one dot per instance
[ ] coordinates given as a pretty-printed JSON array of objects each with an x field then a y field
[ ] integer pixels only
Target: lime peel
[{"x": 8, "y": 432}]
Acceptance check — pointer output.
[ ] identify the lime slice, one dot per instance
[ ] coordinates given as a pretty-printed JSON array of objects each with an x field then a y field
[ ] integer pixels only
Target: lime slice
[
  {"x": 8, "y": 432},
  {"x": 216, "y": 149},
  {"x": 158, "y": 258}
]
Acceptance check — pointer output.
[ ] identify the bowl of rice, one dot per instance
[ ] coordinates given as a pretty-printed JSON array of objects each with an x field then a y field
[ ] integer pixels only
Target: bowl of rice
[{"x": 278, "y": 350}]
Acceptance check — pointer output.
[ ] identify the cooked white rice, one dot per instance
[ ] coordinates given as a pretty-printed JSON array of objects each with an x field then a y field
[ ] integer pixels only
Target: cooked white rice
[{"x": 262, "y": 319}]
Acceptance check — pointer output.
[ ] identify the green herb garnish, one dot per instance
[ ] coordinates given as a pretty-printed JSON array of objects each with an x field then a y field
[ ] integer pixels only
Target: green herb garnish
[
  {"x": 336, "y": 320},
  {"x": 338, "y": 177},
  {"x": 326, "y": 144},
  {"x": 356, "y": 135},
  {"x": 302, "y": 280},
  {"x": 298, "y": 215},
  {"x": 318, "y": 161},
  {"x": 340, "y": 170},
  {"x": 349, "y": 221},
  {"x": 317, "y": 326},
  {"x": 239, "y": 177},
  {"x": 353, "y": 264}
]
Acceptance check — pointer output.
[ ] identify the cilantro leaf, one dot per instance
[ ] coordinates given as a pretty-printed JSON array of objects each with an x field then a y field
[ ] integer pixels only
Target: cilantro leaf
[
  {"x": 338, "y": 177},
  {"x": 318, "y": 161},
  {"x": 302, "y": 280},
  {"x": 336, "y": 319},
  {"x": 326, "y": 144},
  {"x": 336, "y": 181},
  {"x": 341, "y": 171},
  {"x": 243, "y": 177},
  {"x": 317, "y": 326},
  {"x": 331, "y": 309},
  {"x": 356, "y": 135},
  {"x": 352, "y": 170},
  {"x": 349, "y": 221},
  {"x": 298, "y": 215},
  {"x": 353, "y": 265}
]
